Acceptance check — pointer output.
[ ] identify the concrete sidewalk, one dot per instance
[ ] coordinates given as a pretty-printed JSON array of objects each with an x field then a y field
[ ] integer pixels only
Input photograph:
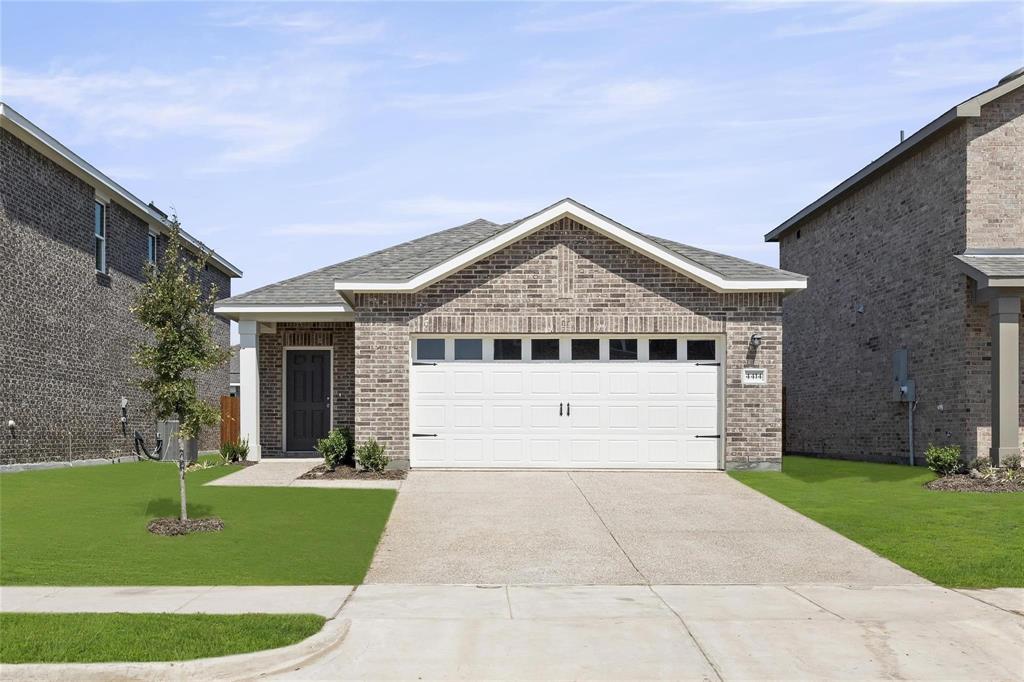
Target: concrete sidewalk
[
  {"x": 324, "y": 600},
  {"x": 532, "y": 632}
]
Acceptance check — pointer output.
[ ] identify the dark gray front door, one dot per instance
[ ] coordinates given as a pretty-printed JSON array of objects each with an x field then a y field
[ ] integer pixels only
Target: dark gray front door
[{"x": 307, "y": 398}]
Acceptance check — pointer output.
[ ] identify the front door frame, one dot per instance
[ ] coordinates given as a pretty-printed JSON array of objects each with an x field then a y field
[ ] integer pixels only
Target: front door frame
[{"x": 284, "y": 391}]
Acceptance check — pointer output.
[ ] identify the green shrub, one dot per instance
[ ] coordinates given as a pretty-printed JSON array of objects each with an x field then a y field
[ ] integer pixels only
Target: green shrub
[
  {"x": 943, "y": 460},
  {"x": 1012, "y": 462},
  {"x": 334, "y": 448},
  {"x": 370, "y": 455},
  {"x": 234, "y": 451}
]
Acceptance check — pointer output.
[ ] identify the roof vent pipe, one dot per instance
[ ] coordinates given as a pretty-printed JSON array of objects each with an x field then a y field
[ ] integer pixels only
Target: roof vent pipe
[{"x": 1010, "y": 76}]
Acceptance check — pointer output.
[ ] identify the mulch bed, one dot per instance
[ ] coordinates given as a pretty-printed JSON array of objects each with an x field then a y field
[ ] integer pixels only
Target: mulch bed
[
  {"x": 345, "y": 473},
  {"x": 175, "y": 526},
  {"x": 964, "y": 483}
]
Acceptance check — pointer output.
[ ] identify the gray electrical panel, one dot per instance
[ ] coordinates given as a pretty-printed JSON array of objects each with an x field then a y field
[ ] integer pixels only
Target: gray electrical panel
[
  {"x": 167, "y": 431},
  {"x": 904, "y": 388}
]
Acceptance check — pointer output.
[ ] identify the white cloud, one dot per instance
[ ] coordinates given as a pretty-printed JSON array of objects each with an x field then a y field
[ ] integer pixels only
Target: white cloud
[
  {"x": 354, "y": 228},
  {"x": 449, "y": 207},
  {"x": 258, "y": 112},
  {"x": 317, "y": 27},
  {"x": 843, "y": 18},
  {"x": 606, "y": 17}
]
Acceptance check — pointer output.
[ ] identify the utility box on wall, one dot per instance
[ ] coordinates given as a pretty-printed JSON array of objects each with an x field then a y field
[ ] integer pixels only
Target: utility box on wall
[
  {"x": 167, "y": 432},
  {"x": 904, "y": 389}
]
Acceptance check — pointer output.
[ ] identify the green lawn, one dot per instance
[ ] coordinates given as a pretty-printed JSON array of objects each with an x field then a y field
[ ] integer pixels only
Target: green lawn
[
  {"x": 953, "y": 539},
  {"x": 87, "y": 526},
  {"x": 98, "y": 637}
]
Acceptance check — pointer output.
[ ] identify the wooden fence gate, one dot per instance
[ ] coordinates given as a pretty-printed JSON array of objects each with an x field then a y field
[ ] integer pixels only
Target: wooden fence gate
[{"x": 229, "y": 426}]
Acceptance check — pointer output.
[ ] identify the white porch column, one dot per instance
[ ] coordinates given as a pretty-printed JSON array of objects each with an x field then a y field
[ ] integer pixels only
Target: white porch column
[
  {"x": 1005, "y": 313},
  {"x": 249, "y": 387}
]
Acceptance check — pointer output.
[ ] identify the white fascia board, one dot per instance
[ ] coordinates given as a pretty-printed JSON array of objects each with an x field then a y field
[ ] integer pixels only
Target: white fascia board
[
  {"x": 592, "y": 220},
  {"x": 104, "y": 186},
  {"x": 284, "y": 313}
]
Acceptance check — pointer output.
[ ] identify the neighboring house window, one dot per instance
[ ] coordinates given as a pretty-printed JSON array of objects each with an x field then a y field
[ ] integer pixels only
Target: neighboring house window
[
  {"x": 100, "y": 229},
  {"x": 151, "y": 247}
]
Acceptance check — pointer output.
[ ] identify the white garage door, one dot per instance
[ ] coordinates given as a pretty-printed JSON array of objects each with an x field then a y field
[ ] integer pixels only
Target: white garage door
[{"x": 648, "y": 403}]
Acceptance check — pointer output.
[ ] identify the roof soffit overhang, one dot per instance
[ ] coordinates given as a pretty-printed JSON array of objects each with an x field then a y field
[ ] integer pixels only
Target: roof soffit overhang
[{"x": 568, "y": 208}]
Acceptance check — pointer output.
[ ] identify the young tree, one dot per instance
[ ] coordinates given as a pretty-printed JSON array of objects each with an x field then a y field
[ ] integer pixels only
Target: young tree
[{"x": 172, "y": 306}]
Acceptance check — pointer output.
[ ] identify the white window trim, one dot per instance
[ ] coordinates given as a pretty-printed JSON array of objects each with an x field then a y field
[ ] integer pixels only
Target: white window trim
[
  {"x": 152, "y": 238},
  {"x": 103, "y": 201},
  {"x": 284, "y": 391}
]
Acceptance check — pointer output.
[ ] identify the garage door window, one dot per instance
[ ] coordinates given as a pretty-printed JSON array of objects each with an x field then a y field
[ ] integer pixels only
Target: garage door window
[
  {"x": 469, "y": 349},
  {"x": 663, "y": 349},
  {"x": 508, "y": 349},
  {"x": 586, "y": 349},
  {"x": 622, "y": 349},
  {"x": 700, "y": 349},
  {"x": 544, "y": 349},
  {"x": 430, "y": 349}
]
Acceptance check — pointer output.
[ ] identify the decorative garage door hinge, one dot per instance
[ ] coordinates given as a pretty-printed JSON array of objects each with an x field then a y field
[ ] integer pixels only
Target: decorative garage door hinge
[
  {"x": 424, "y": 435},
  {"x": 717, "y": 435},
  {"x": 432, "y": 364},
  {"x": 709, "y": 364}
]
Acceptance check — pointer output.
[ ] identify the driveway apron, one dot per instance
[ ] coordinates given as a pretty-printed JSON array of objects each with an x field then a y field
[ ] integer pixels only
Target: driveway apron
[{"x": 609, "y": 527}]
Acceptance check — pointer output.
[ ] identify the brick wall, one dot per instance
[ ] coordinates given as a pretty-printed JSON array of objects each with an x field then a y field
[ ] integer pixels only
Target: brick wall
[
  {"x": 337, "y": 335},
  {"x": 882, "y": 277},
  {"x": 67, "y": 333},
  {"x": 995, "y": 174},
  {"x": 567, "y": 279}
]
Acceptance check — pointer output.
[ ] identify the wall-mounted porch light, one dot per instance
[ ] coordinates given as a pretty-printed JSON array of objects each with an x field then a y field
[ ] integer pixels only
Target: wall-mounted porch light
[{"x": 755, "y": 340}]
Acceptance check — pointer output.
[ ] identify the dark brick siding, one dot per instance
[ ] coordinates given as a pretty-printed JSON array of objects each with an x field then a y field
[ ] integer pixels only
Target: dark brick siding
[
  {"x": 67, "y": 334},
  {"x": 888, "y": 246}
]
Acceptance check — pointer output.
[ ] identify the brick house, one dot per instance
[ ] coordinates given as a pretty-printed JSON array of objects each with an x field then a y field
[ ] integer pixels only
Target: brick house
[
  {"x": 920, "y": 251},
  {"x": 562, "y": 340},
  {"x": 73, "y": 247}
]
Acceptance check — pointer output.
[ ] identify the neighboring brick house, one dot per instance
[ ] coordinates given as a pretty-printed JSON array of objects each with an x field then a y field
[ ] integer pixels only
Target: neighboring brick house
[
  {"x": 73, "y": 248},
  {"x": 562, "y": 340},
  {"x": 923, "y": 251}
]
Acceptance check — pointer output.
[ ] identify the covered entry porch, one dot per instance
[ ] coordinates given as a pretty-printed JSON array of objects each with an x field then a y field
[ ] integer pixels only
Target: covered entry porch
[{"x": 998, "y": 275}]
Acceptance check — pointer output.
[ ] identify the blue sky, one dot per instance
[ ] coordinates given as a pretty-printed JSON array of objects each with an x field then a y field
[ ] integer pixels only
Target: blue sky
[{"x": 289, "y": 136}]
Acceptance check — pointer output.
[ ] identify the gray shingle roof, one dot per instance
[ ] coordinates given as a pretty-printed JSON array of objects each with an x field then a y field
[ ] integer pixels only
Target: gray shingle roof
[
  {"x": 404, "y": 261},
  {"x": 996, "y": 265}
]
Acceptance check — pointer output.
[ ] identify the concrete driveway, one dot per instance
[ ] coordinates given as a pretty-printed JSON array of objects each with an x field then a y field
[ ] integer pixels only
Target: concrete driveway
[{"x": 614, "y": 528}]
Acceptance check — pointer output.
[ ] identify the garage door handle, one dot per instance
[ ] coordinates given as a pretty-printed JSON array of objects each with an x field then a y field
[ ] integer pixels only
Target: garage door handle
[
  {"x": 559, "y": 409},
  {"x": 424, "y": 435},
  {"x": 717, "y": 435}
]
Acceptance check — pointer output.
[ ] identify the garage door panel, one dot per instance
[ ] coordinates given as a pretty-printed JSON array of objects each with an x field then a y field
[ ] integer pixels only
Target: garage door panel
[
  {"x": 623, "y": 414},
  {"x": 546, "y": 383},
  {"x": 585, "y": 452},
  {"x": 507, "y": 416},
  {"x": 623, "y": 417},
  {"x": 544, "y": 451},
  {"x": 428, "y": 416},
  {"x": 507, "y": 382},
  {"x": 507, "y": 451},
  {"x": 584, "y": 417},
  {"x": 468, "y": 416},
  {"x": 469, "y": 383}
]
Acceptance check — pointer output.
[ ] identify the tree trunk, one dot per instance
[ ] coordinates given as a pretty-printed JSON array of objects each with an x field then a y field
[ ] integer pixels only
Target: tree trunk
[{"x": 181, "y": 478}]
